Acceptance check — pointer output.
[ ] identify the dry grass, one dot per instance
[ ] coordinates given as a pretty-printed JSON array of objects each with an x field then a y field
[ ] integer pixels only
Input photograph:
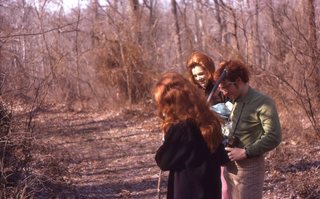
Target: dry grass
[{"x": 111, "y": 155}]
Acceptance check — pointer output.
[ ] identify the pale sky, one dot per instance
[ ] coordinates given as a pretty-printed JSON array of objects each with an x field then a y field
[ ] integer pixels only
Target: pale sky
[{"x": 68, "y": 4}]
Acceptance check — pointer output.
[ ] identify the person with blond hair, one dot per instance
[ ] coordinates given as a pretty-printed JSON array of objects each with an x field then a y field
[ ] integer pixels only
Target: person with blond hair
[
  {"x": 192, "y": 150},
  {"x": 254, "y": 123}
]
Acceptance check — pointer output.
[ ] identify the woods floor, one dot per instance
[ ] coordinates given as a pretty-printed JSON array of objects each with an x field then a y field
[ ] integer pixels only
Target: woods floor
[{"x": 111, "y": 155}]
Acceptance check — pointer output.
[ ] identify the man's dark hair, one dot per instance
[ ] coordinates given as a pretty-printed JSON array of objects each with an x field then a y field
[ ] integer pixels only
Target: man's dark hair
[{"x": 235, "y": 69}]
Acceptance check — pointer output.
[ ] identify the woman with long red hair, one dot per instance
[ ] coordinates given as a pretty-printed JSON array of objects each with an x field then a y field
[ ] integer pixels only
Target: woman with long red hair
[
  {"x": 192, "y": 149},
  {"x": 201, "y": 70}
]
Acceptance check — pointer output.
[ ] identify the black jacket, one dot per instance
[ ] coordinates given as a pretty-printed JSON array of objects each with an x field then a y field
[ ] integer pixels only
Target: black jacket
[{"x": 194, "y": 171}]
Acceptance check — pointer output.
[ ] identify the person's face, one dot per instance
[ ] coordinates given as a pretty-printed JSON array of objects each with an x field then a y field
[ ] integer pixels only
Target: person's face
[
  {"x": 231, "y": 89},
  {"x": 201, "y": 76}
]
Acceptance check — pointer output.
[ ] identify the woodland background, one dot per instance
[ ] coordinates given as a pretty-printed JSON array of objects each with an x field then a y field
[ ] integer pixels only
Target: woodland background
[{"x": 68, "y": 75}]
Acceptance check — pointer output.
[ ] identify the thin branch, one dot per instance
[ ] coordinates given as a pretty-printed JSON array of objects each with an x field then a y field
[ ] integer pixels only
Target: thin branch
[{"x": 41, "y": 32}]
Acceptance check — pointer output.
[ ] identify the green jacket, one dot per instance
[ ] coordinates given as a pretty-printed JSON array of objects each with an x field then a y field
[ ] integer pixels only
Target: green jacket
[{"x": 255, "y": 122}]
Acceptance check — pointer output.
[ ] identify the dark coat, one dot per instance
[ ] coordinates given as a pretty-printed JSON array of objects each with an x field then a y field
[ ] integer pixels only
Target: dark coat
[{"x": 194, "y": 170}]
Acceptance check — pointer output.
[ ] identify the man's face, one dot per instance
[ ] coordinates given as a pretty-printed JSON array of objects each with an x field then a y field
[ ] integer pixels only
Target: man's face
[
  {"x": 201, "y": 76},
  {"x": 230, "y": 89}
]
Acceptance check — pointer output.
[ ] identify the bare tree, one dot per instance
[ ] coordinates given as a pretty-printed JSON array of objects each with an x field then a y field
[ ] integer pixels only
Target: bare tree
[
  {"x": 135, "y": 20},
  {"x": 276, "y": 52},
  {"x": 221, "y": 22},
  {"x": 314, "y": 100},
  {"x": 52, "y": 48},
  {"x": 232, "y": 26},
  {"x": 313, "y": 43},
  {"x": 177, "y": 31}
]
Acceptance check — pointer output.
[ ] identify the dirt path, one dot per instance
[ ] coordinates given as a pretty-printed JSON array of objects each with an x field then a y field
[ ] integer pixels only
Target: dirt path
[
  {"x": 111, "y": 155},
  {"x": 106, "y": 155}
]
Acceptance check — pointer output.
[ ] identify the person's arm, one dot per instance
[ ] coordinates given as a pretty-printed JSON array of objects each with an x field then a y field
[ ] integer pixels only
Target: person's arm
[
  {"x": 183, "y": 148},
  {"x": 271, "y": 137}
]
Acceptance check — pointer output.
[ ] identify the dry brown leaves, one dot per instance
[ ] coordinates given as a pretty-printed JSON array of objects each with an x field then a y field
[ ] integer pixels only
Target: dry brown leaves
[{"x": 111, "y": 155}]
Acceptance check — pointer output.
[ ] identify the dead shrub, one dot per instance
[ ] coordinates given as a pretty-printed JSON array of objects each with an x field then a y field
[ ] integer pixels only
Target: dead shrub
[
  {"x": 5, "y": 119},
  {"x": 122, "y": 68},
  {"x": 19, "y": 169},
  {"x": 309, "y": 189}
]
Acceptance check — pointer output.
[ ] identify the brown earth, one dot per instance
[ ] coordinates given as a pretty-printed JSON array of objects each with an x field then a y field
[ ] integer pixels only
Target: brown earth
[{"x": 111, "y": 155}]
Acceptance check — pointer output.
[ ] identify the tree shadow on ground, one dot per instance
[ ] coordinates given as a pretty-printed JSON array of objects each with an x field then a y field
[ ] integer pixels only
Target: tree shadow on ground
[
  {"x": 106, "y": 157},
  {"x": 144, "y": 189},
  {"x": 302, "y": 165},
  {"x": 73, "y": 127}
]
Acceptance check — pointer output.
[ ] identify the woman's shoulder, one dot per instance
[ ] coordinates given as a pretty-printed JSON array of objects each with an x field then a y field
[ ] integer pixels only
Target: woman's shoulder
[{"x": 183, "y": 128}]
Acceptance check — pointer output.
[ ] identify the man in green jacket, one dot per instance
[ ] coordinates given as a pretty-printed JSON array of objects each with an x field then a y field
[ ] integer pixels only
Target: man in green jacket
[{"x": 255, "y": 123}]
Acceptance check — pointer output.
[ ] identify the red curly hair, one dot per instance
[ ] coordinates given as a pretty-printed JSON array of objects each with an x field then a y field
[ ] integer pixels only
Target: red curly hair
[
  {"x": 178, "y": 100},
  {"x": 198, "y": 58}
]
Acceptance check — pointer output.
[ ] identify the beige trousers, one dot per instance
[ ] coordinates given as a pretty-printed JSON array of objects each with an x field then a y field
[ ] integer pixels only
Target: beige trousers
[{"x": 245, "y": 178}]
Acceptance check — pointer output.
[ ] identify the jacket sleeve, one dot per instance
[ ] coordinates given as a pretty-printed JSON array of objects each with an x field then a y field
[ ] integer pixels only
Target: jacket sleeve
[
  {"x": 271, "y": 137},
  {"x": 182, "y": 148}
]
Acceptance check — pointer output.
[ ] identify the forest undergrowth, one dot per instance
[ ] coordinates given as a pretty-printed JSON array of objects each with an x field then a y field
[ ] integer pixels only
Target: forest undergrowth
[{"x": 110, "y": 154}]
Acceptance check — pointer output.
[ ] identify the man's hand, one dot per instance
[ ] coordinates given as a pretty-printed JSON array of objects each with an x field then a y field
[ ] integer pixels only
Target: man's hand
[{"x": 236, "y": 153}]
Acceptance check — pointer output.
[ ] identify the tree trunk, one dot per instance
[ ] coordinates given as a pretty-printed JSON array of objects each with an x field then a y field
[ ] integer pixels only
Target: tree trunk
[
  {"x": 312, "y": 36},
  {"x": 277, "y": 56},
  {"x": 135, "y": 21},
  {"x": 95, "y": 28},
  {"x": 136, "y": 38},
  {"x": 232, "y": 37},
  {"x": 198, "y": 25},
  {"x": 177, "y": 33},
  {"x": 314, "y": 101},
  {"x": 254, "y": 43},
  {"x": 76, "y": 48},
  {"x": 24, "y": 51},
  {"x": 219, "y": 20},
  {"x": 257, "y": 36}
]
